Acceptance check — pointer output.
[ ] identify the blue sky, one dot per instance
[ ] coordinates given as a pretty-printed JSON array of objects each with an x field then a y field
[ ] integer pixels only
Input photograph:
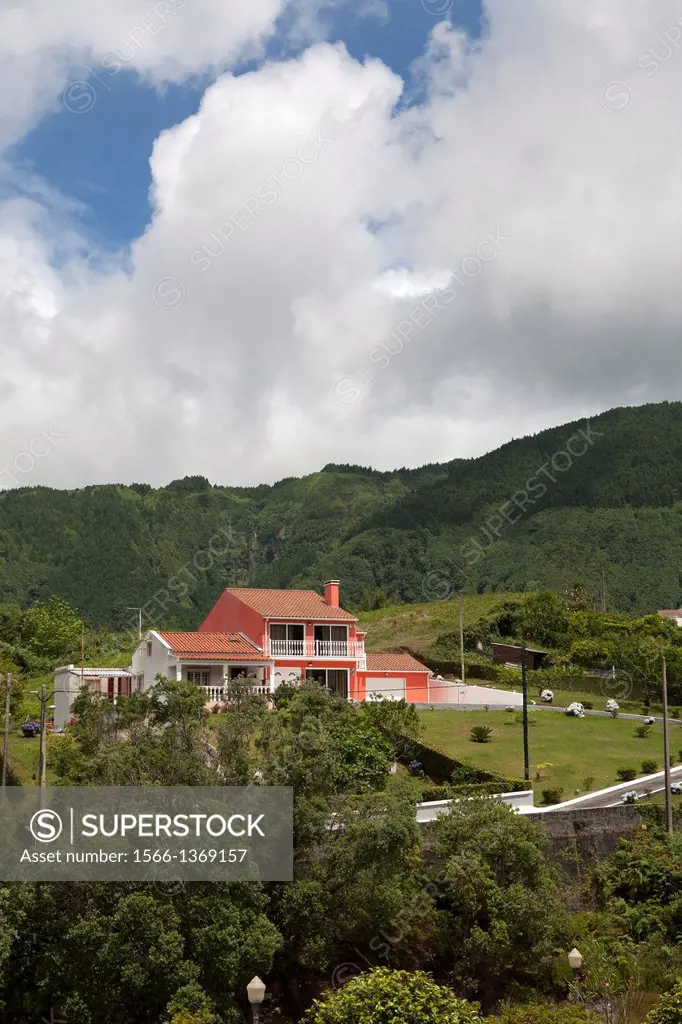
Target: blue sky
[{"x": 103, "y": 160}]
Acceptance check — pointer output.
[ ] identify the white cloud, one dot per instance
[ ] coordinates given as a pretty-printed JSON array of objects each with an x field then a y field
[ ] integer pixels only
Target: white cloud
[{"x": 299, "y": 219}]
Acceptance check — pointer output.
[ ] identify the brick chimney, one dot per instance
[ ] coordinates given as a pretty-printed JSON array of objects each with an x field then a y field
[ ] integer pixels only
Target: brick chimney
[{"x": 331, "y": 593}]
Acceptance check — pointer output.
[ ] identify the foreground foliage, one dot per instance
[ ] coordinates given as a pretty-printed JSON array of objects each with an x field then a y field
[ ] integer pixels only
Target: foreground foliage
[{"x": 392, "y": 997}]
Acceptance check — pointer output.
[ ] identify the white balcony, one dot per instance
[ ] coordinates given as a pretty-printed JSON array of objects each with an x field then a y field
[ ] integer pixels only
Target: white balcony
[
  {"x": 353, "y": 649},
  {"x": 219, "y": 694}
]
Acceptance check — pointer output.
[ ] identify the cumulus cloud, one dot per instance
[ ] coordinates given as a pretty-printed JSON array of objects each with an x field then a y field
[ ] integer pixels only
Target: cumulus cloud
[{"x": 330, "y": 275}]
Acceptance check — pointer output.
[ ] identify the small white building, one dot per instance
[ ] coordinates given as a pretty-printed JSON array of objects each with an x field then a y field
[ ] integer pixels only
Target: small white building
[{"x": 69, "y": 679}]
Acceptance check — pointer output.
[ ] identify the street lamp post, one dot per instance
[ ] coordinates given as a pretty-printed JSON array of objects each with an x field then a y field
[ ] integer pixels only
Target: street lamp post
[
  {"x": 524, "y": 687},
  {"x": 575, "y": 959},
  {"x": 256, "y": 993}
]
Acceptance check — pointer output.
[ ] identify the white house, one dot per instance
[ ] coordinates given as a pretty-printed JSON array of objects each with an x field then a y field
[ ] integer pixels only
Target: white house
[
  {"x": 68, "y": 680},
  {"x": 207, "y": 659}
]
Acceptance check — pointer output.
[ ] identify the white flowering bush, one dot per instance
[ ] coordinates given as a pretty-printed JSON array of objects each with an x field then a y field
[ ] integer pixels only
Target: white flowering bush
[
  {"x": 631, "y": 797},
  {"x": 676, "y": 788},
  {"x": 575, "y": 710},
  {"x": 650, "y": 721},
  {"x": 612, "y": 706},
  {"x": 547, "y": 696}
]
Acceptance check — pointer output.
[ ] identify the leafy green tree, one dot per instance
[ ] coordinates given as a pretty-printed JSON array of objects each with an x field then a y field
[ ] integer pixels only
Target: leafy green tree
[
  {"x": 321, "y": 744},
  {"x": 641, "y": 884},
  {"x": 501, "y": 904},
  {"x": 152, "y": 738},
  {"x": 382, "y": 996},
  {"x": 352, "y": 887},
  {"x": 241, "y": 725},
  {"x": 52, "y": 630},
  {"x": 396, "y": 719},
  {"x": 135, "y": 953},
  {"x": 545, "y": 619}
]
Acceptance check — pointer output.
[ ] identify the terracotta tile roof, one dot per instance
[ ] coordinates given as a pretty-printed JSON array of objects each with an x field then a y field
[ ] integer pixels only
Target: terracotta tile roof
[
  {"x": 212, "y": 646},
  {"x": 289, "y": 604},
  {"x": 671, "y": 613},
  {"x": 394, "y": 661}
]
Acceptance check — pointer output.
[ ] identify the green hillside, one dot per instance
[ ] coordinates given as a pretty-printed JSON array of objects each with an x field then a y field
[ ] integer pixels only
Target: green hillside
[
  {"x": 613, "y": 513},
  {"x": 418, "y": 626}
]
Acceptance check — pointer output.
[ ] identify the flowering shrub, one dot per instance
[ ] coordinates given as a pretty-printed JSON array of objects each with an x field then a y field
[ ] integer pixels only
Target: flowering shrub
[
  {"x": 631, "y": 797},
  {"x": 676, "y": 788},
  {"x": 547, "y": 696},
  {"x": 575, "y": 710},
  {"x": 650, "y": 721},
  {"x": 612, "y": 706}
]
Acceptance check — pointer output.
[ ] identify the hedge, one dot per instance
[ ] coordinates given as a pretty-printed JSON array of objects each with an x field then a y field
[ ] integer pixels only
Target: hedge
[
  {"x": 440, "y": 767},
  {"x": 474, "y": 789}
]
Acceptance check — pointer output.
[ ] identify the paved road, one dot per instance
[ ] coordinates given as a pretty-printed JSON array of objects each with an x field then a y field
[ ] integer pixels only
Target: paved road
[
  {"x": 613, "y": 797},
  {"x": 541, "y": 707}
]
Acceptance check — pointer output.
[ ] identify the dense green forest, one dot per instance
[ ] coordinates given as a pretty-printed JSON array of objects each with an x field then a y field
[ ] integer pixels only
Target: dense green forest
[{"x": 595, "y": 505}]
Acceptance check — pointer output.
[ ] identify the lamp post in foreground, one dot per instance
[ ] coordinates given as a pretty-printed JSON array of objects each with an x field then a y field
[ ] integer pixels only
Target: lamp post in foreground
[
  {"x": 575, "y": 959},
  {"x": 256, "y": 993}
]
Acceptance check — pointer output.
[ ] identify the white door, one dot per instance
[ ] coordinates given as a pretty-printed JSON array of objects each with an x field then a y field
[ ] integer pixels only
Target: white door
[{"x": 385, "y": 686}]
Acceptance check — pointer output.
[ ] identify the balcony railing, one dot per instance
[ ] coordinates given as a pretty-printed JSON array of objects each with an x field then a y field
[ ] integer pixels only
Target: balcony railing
[
  {"x": 218, "y": 694},
  {"x": 315, "y": 649}
]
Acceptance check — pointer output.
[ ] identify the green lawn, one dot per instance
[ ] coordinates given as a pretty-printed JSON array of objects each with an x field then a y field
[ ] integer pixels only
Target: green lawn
[
  {"x": 576, "y": 748},
  {"x": 24, "y": 756}
]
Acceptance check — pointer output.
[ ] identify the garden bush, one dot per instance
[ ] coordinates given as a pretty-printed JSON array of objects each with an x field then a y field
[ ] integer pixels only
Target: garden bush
[
  {"x": 552, "y": 796},
  {"x": 547, "y": 1014},
  {"x": 669, "y": 1010},
  {"x": 480, "y": 734},
  {"x": 383, "y": 996},
  {"x": 649, "y": 766},
  {"x": 575, "y": 710},
  {"x": 626, "y": 774},
  {"x": 642, "y": 731}
]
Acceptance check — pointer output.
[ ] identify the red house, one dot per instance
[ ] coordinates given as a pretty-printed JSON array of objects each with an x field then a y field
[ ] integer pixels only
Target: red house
[{"x": 307, "y": 635}]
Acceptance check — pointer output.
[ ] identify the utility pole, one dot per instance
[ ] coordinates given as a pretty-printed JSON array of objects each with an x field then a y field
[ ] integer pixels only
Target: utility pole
[
  {"x": 139, "y": 627},
  {"x": 42, "y": 764},
  {"x": 666, "y": 752},
  {"x": 5, "y": 746},
  {"x": 461, "y": 635},
  {"x": 524, "y": 683}
]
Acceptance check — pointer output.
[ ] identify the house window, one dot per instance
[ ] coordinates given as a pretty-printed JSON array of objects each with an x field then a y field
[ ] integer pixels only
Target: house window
[
  {"x": 331, "y": 640},
  {"x": 201, "y": 678},
  {"x": 287, "y": 638},
  {"x": 149, "y": 648},
  {"x": 292, "y": 631}
]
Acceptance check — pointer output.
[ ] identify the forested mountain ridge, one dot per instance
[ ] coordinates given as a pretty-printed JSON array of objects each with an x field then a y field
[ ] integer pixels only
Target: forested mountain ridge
[{"x": 601, "y": 505}]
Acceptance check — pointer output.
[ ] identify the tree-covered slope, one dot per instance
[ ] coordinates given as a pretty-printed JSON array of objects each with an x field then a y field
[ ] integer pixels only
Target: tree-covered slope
[{"x": 602, "y": 505}]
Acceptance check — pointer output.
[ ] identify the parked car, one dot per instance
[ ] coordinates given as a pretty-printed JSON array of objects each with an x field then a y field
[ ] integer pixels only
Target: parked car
[{"x": 31, "y": 729}]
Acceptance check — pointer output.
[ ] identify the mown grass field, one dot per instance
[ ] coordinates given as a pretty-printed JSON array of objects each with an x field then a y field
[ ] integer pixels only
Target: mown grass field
[{"x": 576, "y": 748}]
